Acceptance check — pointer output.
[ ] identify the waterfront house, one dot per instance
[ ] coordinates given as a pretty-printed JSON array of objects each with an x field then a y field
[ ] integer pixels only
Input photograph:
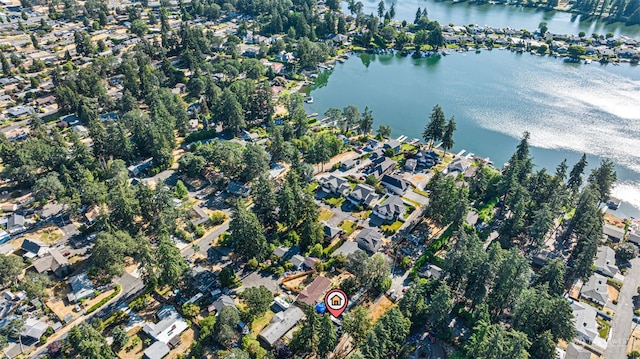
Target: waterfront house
[
  {"x": 584, "y": 320},
  {"x": 391, "y": 209},
  {"x": 334, "y": 185},
  {"x": 373, "y": 145},
  {"x": 281, "y": 323},
  {"x": 605, "y": 261},
  {"x": 394, "y": 145},
  {"x": 363, "y": 194},
  {"x": 395, "y": 184},
  {"x": 369, "y": 239},
  {"x": 459, "y": 164},
  {"x": 595, "y": 289},
  {"x": 410, "y": 165}
]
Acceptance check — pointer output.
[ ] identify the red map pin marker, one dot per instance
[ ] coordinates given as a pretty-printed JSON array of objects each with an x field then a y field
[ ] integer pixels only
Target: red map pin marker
[{"x": 336, "y": 302}]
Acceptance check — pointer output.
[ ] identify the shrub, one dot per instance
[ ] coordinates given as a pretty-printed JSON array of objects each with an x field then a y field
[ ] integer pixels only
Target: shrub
[
  {"x": 218, "y": 217},
  {"x": 104, "y": 300},
  {"x": 199, "y": 232},
  {"x": 252, "y": 263}
]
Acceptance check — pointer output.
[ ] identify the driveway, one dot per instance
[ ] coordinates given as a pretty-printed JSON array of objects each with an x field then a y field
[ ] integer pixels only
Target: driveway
[
  {"x": 258, "y": 278},
  {"x": 622, "y": 321}
]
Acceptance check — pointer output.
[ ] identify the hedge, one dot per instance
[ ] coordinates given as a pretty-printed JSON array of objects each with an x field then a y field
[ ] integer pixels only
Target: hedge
[{"x": 104, "y": 300}]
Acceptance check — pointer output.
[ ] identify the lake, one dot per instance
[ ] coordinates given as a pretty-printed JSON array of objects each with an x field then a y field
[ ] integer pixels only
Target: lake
[
  {"x": 500, "y": 16},
  {"x": 497, "y": 95}
]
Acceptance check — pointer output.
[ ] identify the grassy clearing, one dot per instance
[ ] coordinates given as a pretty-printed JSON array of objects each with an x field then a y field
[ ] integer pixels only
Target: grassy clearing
[
  {"x": 325, "y": 214},
  {"x": 335, "y": 201},
  {"x": 261, "y": 322},
  {"x": 420, "y": 192},
  {"x": 603, "y": 328},
  {"x": 391, "y": 228},
  {"x": 348, "y": 226}
]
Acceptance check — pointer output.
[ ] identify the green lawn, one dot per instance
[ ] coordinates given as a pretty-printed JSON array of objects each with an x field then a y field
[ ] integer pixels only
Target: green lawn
[
  {"x": 325, "y": 214},
  {"x": 391, "y": 228},
  {"x": 420, "y": 192},
  {"x": 348, "y": 226},
  {"x": 603, "y": 327},
  {"x": 261, "y": 322},
  {"x": 335, "y": 201}
]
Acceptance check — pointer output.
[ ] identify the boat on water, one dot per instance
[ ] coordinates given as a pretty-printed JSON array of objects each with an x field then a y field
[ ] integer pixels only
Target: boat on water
[
  {"x": 445, "y": 53},
  {"x": 587, "y": 61},
  {"x": 309, "y": 99}
]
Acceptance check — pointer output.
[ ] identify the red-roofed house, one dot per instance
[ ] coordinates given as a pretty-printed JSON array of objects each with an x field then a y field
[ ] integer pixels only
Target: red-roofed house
[{"x": 314, "y": 292}]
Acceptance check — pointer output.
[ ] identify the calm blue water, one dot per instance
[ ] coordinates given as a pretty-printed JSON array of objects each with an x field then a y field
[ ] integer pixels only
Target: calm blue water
[
  {"x": 497, "y": 95},
  {"x": 500, "y": 16}
]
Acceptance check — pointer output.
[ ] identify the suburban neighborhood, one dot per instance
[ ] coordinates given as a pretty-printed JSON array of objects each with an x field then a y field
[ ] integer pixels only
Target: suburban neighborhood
[{"x": 164, "y": 193}]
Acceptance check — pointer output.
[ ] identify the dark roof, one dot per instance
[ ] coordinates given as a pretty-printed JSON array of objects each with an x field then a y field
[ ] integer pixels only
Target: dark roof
[
  {"x": 331, "y": 231},
  {"x": 394, "y": 181},
  {"x": 33, "y": 245},
  {"x": 238, "y": 188},
  {"x": 369, "y": 239}
]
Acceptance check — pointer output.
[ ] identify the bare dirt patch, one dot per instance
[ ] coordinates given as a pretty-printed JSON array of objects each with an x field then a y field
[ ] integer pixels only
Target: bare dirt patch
[{"x": 380, "y": 307}]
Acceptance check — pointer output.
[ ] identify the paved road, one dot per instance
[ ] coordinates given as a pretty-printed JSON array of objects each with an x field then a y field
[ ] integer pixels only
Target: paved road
[
  {"x": 205, "y": 241},
  {"x": 131, "y": 286},
  {"x": 622, "y": 321}
]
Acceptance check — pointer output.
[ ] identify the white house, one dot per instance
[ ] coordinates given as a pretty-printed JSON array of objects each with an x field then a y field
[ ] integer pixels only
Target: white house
[
  {"x": 595, "y": 289},
  {"x": 584, "y": 319},
  {"x": 171, "y": 324}
]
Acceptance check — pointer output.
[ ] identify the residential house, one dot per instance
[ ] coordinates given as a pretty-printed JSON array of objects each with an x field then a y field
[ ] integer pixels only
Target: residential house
[
  {"x": 391, "y": 209},
  {"x": 286, "y": 252},
  {"x": 432, "y": 271},
  {"x": 633, "y": 237},
  {"x": 363, "y": 194},
  {"x": 584, "y": 319},
  {"x": 170, "y": 326},
  {"x": 310, "y": 262},
  {"x": 335, "y": 185},
  {"x": 34, "y": 248},
  {"x": 348, "y": 164},
  {"x": 346, "y": 248},
  {"x": 395, "y": 184},
  {"x": 369, "y": 239},
  {"x": 542, "y": 256},
  {"x": 410, "y": 165},
  {"x": 92, "y": 215},
  {"x": 373, "y": 145},
  {"x": 6, "y": 248},
  {"x": 238, "y": 188},
  {"x": 331, "y": 232},
  {"x": 595, "y": 289},
  {"x": 383, "y": 167},
  {"x": 81, "y": 287},
  {"x": 33, "y": 331},
  {"x": 459, "y": 164},
  {"x": 54, "y": 262},
  {"x": 200, "y": 216},
  {"x": 297, "y": 261},
  {"x": 605, "y": 261},
  {"x": 223, "y": 301},
  {"x": 394, "y": 145},
  {"x": 427, "y": 158},
  {"x": 314, "y": 291},
  {"x": 340, "y": 39},
  {"x": 16, "y": 223},
  {"x": 574, "y": 351},
  {"x": 281, "y": 323},
  {"x": 612, "y": 233},
  {"x": 46, "y": 101},
  {"x": 138, "y": 168},
  {"x": 157, "y": 350},
  {"x": 19, "y": 111}
]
